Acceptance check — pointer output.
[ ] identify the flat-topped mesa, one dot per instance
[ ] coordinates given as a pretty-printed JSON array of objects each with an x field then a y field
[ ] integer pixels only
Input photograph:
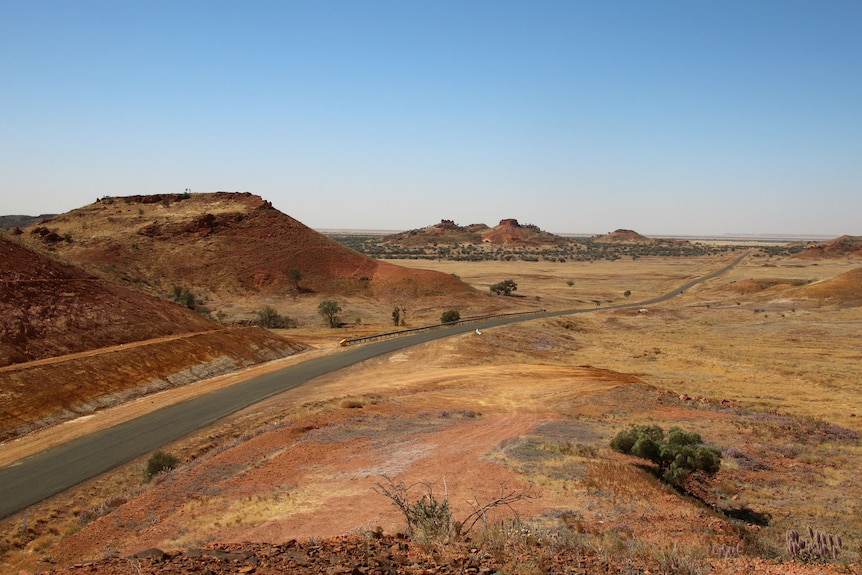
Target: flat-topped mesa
[{"x": 508, "y": 232}]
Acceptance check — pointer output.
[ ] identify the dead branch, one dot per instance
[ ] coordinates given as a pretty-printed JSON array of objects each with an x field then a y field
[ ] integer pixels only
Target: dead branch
[{"x": 506, "y": 498}]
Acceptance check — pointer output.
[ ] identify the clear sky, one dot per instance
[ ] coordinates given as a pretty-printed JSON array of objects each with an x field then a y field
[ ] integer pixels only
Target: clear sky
[{"x": 687, "y": 117}]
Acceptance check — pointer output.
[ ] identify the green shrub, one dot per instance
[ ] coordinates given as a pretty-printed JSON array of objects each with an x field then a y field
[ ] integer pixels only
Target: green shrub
[
  {"x": 269, "y": 318},
  {"x": 676, "y": 455},
  {"x": 159, "y": 462},
  {"x": 432, "y": 520},
  {"x": 505, "y": 287},
  {"x": 184, "y": 296},
  {"x": 450, "y": 316}
]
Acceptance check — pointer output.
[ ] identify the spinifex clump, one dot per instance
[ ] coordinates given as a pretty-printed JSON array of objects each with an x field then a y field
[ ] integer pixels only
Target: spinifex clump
[{"x": 816, "y": 547}]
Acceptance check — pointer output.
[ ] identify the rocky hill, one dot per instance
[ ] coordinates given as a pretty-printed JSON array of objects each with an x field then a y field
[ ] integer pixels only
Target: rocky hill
[
  {"x": 843, "y": 246},
  {"x": 507, "y": 233},
  {"x": 222, "y": 243},
  {"x": 631, "y": 237}
]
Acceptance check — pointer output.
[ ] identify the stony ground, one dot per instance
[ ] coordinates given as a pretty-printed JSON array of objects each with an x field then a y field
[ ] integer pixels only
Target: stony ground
[{"x": 396, "y": 555}]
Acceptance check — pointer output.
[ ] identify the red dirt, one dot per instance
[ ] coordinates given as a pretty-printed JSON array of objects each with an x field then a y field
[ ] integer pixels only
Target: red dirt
[
  {"x": 380, "y": 553},
  {"x": 50, "y": 308},
  {"x": 297, "y": 497},
  {"x": 43, "y": 393},
  {"x": 621, "y": 235},
  {"x": 844, "y": 288}
]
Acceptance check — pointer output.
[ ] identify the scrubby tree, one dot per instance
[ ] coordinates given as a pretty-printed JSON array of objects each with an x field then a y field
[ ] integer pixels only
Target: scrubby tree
[
  {"x": 269, "y": 318},
  {"x": 449, "y": 316},
  {"x": 295, "y": 276},
  {"x": 399, "y": 316},
  {"x": 676, "y": 455},
  {"x": 159, "y": 462},
  {"x": 184, "y": 296},
  {"x": 505, "y": 287},
  {"x": 330, "y": 309}
]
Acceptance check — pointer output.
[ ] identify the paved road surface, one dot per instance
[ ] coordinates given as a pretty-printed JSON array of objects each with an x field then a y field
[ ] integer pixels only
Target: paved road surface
[{"x": 49, "y": 472}]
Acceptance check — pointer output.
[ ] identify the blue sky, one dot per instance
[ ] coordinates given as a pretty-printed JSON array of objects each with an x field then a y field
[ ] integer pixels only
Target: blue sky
[{"x": 666, "y": 117}]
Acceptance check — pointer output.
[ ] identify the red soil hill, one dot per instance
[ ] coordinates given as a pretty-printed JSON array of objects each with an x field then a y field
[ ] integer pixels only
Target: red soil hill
[
  {"x": 50, "y": 308},
  {"x": 224, "y": 243},
  {"x": 839, "y": 247}
]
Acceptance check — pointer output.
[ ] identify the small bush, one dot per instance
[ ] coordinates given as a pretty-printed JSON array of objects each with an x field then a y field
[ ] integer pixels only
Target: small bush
[
  {"x": 429, "y": 518},
  {"x": 432, "y": 519},
  {"x": 184, "y": 296},
  {"x": 680, "y": 453},
  {"x": 450, "y": 316},
  {"x": 159, "y": 462},
  {"x": 269, "y": 318}
]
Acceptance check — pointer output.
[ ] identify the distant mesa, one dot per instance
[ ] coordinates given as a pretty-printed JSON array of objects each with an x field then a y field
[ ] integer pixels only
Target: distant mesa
[
  {"x": 507, "y": 233},
  {"x": 842, "y": 246},
  {"x": 226, "y": 243},
  {"x": 623, "y": 236}
]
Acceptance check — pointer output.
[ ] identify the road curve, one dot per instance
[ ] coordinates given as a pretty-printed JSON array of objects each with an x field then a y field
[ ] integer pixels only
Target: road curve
[{"x": 41, "y": 475}]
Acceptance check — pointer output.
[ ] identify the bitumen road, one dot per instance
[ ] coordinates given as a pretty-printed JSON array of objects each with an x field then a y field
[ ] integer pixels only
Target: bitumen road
[{"x": 41, "y": 475}]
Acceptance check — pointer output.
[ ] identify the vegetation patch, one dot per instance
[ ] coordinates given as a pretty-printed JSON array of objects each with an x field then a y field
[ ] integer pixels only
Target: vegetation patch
[{"x": 676, "y": 455}]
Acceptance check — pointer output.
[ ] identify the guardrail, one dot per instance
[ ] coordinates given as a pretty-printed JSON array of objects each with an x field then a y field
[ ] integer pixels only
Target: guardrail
[{"x": 351, "y": 341}]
